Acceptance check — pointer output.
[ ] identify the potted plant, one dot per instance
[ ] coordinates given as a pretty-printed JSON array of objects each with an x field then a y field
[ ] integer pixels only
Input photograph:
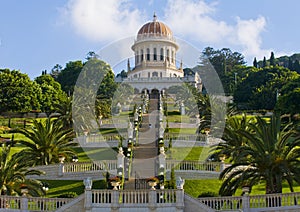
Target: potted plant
[
  {"x": 152, "y": 182},
  {"x": 115, "y": 182}
]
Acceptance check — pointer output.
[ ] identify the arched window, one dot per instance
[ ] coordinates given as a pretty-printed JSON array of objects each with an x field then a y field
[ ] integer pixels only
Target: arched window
[
  {"x": 137, "y": 57},
  {"x": 168, "y": 55},
  {"x": 154, "y": 54},
  {"x": 155, "y": 74},
  {"x": 173, "y": 56},
  {"x": 160, "y": 74},
  {"x": 161, "y": 54},
  {"x": 148, "y": 54},
  {"x": 148, "y": 74},
  {"x": 142, "y": 55}
]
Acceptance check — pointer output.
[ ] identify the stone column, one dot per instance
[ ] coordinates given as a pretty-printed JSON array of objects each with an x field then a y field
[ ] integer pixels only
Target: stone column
[
  {"x": 24, "y": 204},
  {"x": 162, "y": 160},
  {"x": 179, "y": 193},
  {"x": 115, "y": 200},
  {"x": 246, "y": 202},
  {"x": 182, "y": 109},
  {"x": 152, "y": 200},
  {"x": 88, "y": 194}
]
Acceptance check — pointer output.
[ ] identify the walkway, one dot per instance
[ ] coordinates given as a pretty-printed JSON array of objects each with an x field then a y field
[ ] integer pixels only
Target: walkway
[{"x": 145, "y": 153}]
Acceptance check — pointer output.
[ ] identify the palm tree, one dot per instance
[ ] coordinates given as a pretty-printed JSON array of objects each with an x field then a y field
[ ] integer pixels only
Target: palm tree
[
  {"x": 233, "y": 141},
  {"x": 271, "y": 154},
  {"x": 65, "y": 111},
  {"x": 46, "y": 141},
  {"x": 13, "y": 172}
]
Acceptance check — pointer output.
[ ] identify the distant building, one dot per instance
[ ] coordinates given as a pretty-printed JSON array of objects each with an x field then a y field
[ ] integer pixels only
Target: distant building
[{"x": 155, "y": 60}]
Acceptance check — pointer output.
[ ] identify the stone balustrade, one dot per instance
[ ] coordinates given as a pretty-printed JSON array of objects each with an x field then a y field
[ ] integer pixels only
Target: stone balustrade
[
  {"x": 105, "y": 165},
  {"x": 12, "y": 203},
  {"x": 137, "y": 198},
  {"x": 283, "y": 202},
  {"x": 193, "y": 165}
]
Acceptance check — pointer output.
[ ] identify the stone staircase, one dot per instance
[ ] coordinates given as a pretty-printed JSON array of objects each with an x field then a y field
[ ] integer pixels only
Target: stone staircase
[{"x": 146, "y": 151}]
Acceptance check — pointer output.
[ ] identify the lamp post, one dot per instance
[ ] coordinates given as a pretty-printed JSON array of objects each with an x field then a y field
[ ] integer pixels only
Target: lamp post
[{"x": 74, "y": 159}]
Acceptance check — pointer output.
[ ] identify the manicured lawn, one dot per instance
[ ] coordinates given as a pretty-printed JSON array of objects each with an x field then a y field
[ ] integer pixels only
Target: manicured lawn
[
  {"x": 185, "y": 153},
  {"x": 196, "y": 187},
  {"x": 191, "y": 131},
  {"x": 59, "y": 187}
]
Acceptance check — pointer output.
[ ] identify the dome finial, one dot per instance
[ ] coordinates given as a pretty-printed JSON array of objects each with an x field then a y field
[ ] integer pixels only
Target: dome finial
[{"x": 154, "y": 17}]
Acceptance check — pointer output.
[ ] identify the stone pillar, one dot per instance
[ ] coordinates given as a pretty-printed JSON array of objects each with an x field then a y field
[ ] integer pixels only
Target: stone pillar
[
  {"x": 182, "y": 109},
  {"x": 246, "y": 202},
  {"x": 222, "y": 164},
  {"x": 180, "y": 199},
  {"x": 24, "y": 204},
  {"x": 115, "y": 200},
  {"x": 88, "y": 194},
  {"x": 120, "y": 158},
  {"x": 162, "y": 161},
  {"x": 61, "y": 168},
  {"x": 152, "y": 200},
  {"x": 130, "y": 130}
]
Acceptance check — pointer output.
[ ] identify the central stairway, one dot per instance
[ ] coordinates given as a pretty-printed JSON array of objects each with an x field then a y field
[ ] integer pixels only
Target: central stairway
[{"x": 146, "y": 151}]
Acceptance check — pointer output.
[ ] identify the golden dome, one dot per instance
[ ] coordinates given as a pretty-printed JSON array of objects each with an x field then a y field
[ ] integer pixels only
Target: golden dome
[{"x": 155, "y": 28}]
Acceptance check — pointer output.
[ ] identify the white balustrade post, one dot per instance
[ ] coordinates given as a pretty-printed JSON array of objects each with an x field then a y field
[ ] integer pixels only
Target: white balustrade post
[
  {"x": 180, "y": 199},
  {"x": 115, "y": 200},
  {"x": 24, "y": 204},
  {"x": 246, "y": 199},
  {"x": 61, "y": 169},
  {"x": 121, "y": 158},
  {"x": 152, "y": 200},
  {"x": 162, "y": 160},
  {"x": 88, "y": 194}
]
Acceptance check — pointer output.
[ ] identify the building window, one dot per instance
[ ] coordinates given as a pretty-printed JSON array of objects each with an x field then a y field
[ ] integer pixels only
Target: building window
[
  {"x": 148, "y": 74},
  {"x": 161, "y": 54},
  {"x": 168, "y": 55},
  {"x": 148, "y": 54},
  {"x": 135, "y": 76},
  {"x": 155, "y": 74},
  {"x": 137, "y": 57},
  {"x": 154, "y": 54},
  {"x": 160, "y": 74},
  {"x": 173, "y": 56},
  {"x": 142, "y": 55}
]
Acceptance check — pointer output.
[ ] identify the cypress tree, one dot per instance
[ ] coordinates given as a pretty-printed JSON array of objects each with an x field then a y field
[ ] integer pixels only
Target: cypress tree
[
  {"x": 264, "y": 62},
  {"x": 255, "y": 62},
  {"x": 272, "y": 59}
]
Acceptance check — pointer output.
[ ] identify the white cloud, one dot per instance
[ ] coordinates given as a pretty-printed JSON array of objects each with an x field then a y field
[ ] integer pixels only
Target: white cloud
[
  {"x": 195, "y": 20},
  {"x": 102, "y": 20},
  {"x": 106, "y": 21}
]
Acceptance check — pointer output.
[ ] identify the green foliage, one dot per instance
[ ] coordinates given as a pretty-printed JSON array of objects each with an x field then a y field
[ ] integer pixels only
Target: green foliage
[
  {"x": 52, "y": 95},
  {"x": 14, "y": 170},
  {"x": 68, "y": 195},
  {"x": 289, "y": 99},
  {"x": 224, "y": 61},
  {"x": 17, "y": 92},
  {"x": 67, "y": 77},
  {"x": 270, "y": 154},
  {"x": 46, "y": 141},
  {"x": 258, "y": 90}
]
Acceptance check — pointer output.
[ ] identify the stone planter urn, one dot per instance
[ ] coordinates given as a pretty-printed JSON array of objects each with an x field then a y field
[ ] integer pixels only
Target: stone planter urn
[
  {"x": 115, "y": 184},
  {"x": 152, "y": 184}
]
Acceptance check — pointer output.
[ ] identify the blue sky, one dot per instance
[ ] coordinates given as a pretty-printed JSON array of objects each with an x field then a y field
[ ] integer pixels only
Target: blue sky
[{"x": 36, "y": 35}]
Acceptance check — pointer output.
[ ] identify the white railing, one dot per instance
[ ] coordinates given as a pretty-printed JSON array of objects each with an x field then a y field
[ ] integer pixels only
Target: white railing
[
  {"x": 184, "y": 137},
  {"x": 136, "y": 198},
  {"x": 105, "y": 165},
  {"x": 284, "y": 201},
  {"x": 275, "y": 200},
  {"x": 94, "y": 138},
  {"x": 32, "y": 203},
  {"x": 223, "y": 203},
  {"x": 193, "y": 165}
]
